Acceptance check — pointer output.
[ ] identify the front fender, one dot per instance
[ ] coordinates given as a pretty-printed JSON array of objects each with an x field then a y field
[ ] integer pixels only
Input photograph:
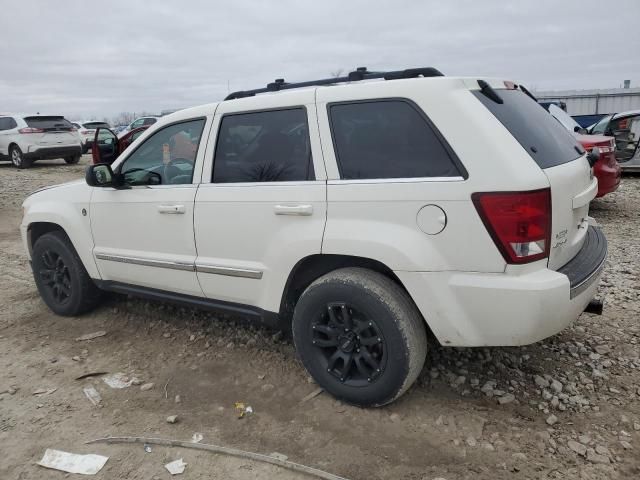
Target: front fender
[{"x": 66, "y": 206}]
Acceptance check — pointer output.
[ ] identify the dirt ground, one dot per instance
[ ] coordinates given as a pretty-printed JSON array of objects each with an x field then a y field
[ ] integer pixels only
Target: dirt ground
[{"x": 564, "y": 408}]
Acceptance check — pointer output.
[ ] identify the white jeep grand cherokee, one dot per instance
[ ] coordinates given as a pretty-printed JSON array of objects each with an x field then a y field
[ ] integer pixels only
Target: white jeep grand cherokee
[{"x": 359, "y": 214}]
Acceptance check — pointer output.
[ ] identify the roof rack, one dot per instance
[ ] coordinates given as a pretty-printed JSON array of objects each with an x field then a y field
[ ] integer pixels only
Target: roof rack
[{"x": 361, "y": 73}]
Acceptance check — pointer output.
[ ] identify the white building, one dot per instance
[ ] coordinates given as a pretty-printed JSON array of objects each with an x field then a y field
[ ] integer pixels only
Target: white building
[{"x": 590, "y": 102}]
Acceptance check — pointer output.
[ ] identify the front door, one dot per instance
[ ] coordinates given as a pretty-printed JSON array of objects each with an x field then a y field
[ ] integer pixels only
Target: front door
[
  {"x": 261, "y": 206},
  {"x": 143, "y": 233}
]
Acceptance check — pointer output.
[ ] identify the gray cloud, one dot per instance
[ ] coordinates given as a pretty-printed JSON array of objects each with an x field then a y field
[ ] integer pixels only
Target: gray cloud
[{"x": 85, "y": 59}]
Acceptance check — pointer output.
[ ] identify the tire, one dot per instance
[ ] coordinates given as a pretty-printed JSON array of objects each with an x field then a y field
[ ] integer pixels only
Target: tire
[
  {"x": 72, "y": 160},
  {"x": 62, "y": 280},
  {"x": 362, "y": 322},
  {"x": 17, "y": 158}
]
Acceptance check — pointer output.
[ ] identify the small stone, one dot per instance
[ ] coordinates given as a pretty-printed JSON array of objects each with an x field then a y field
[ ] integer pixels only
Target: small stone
[
  {"x": 579, "y": 448},
  {"x": 626, "y": 445},
  {"x": 541, "y": 381},
  {"x": 585, "y": 439},
  {"x": 177, "y": 399},
  {"x": 471, "y": 441},
  {"x": 146, "y": 386},
  {"x": 602, "y": 349},
  {"x": 507, "y": 398},
  {"x": 623, "y": 418},
  {"x": 487, "y": 446},
  {"x": 394, "y": 417},
  {"x": 172, "y": 419},
  {"x": 12, "y": 390},
  {"x": 136, "y": 381},
  {"x": 556, "y": 386},
  {"x": 519, "y": 456},
  {"x": 600, "y": 450},
  {"x": 552, "y": 420},
  {"x": 166, "y": 335},
  {"x": 75, "y": 358},
  {"x": 266, "y": 387},
  {"x": 636, "y": 426},
  {"x": 594, "y": 457}
]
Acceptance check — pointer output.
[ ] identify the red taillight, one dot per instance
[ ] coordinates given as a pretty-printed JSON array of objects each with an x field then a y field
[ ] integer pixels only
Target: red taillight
[
  {"x": 30, "y": 130},
  {"x": 518, "y": 222}
]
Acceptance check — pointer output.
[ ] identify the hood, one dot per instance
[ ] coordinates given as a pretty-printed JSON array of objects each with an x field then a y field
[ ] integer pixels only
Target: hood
[{"x": 76, "y": 190}]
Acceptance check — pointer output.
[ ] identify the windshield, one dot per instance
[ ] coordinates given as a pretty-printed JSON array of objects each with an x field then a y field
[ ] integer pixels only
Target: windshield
[{"x": 564, "y": 118}]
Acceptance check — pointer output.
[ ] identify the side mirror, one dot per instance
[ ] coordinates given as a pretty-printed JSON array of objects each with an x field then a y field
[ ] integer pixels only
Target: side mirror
[
  {"x": 580, "y": 130},
  {"x": 99, "y": 175},
  {"x": 593, "y": 156}
]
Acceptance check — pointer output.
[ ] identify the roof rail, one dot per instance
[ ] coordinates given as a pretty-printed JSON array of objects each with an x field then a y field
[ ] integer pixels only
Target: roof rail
[{"x": 361, "y": 73}]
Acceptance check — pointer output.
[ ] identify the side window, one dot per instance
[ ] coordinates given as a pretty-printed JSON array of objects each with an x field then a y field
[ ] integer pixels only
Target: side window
[
  {"x": 167, "y": 157},
  {"x": 137, "y": 123},
  {"x": 387, "y": 139},
  {"x": 601, "y": 126},
  {"x": 268, "y": 146},
  {"x": 149, "y": 121},
  {"x": 7, "y": 123}
]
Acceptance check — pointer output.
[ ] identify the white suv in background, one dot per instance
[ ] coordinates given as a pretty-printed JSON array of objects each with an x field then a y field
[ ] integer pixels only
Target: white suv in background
[
  {"x": 87, "y": 131},
  {"x": 359, "y": 213},
  {"x": 27, "y": 138},
  {"x": 137, "y": 123}
]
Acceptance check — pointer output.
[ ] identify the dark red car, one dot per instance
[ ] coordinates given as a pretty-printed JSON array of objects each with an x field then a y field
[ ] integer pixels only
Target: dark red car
[
  {"x": 606, "y": 169},
  {"x": 109, "y": 146}
]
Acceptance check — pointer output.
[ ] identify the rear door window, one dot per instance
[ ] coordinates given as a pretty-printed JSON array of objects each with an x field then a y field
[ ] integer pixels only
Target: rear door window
[
  {"x": 49, "y": 124},
  {"x": 387, "y": 139},
  {"x": 271, "y": 146},
  {"x": 541, "y": 135}
]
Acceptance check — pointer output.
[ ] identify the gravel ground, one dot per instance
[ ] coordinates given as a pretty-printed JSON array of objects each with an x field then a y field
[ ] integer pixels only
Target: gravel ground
[{"x": 563, "y": 408}]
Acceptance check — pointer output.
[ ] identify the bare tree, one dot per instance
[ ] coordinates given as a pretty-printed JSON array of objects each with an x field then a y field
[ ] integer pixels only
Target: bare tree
[{"x": 336, "y": 73}]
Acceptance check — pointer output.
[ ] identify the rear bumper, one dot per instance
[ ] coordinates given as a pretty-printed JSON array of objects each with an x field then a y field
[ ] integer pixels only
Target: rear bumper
[
  {"x": 53, "y": 152},
  {"x": 505, "y": 309},
  {"x": 608, "y": 178}
]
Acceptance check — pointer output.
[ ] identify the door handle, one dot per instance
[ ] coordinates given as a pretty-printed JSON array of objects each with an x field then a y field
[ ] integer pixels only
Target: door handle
[
  {"x": 300, "y": 210},
  {"x": 171, "y": 209}
]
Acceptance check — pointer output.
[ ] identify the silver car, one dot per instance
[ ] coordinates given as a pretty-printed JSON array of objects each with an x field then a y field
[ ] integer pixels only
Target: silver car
[{"x": 625, "y": 127}]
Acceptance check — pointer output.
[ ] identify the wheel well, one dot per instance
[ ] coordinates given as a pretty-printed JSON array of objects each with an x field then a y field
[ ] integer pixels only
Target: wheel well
[
  {"x": 310, "y": 268},
  {"x": 37, "y": 229}
]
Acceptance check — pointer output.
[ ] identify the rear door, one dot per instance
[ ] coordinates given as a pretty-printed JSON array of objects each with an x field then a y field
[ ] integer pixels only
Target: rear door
[
  {"x": 561, "y": 158},
  {"x": 51, "y": 131},
  {"x": 261, "y": 206}
]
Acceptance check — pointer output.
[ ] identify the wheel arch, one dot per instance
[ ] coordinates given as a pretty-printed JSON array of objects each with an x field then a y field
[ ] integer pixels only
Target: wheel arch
[{"x": 312, "y": 267}]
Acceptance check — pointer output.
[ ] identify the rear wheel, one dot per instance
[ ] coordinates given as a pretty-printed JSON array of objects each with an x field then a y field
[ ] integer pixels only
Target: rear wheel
[
  {"x": 360, "y": 336},
  {"x": 72, "y": 160},
  {"x": 62, "y": 280},
  {"x": 17, "y": 157}
]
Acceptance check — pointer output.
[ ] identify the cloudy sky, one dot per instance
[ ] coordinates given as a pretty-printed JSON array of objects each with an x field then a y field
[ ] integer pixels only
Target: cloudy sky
[{"x": 91, "y": 60}]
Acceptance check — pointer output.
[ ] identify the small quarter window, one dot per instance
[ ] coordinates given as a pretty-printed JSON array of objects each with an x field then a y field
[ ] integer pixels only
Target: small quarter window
[
  {"x": 270, "y": 146},
  {"x": 387, "y": 139}
]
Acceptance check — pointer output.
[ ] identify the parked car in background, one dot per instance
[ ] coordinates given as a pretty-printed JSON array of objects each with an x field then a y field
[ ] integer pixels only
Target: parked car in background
[
  {"x": 381, "y": 215},
  {"x": 87, "y": 130},
  {"x": 139, "y": 122},
  {"x": 119, "y": 128},
  {"x": 107, "y": 145},
  {"x": 625, "y": 128},
  {"x": 586, "y": 121},
  {"x": 606, "y": 168},
  {"x": 27, "y": 138}
]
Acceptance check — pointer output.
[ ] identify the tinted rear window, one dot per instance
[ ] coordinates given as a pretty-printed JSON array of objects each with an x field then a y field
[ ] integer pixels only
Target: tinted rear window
[
  {"x": 49, "y": 123},
  {"x": 95, "y": 125},
  {"x": 387, "y": 139},
  {"x": 541, "y": 135}
]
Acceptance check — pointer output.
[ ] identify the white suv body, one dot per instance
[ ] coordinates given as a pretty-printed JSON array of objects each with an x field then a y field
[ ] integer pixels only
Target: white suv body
[
  {"x": 264, "y": 244},
  {"x": 27, "y": 138}
]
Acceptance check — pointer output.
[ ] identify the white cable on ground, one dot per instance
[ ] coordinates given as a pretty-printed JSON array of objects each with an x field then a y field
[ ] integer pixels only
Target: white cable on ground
[{"x": 225, "y": 450}]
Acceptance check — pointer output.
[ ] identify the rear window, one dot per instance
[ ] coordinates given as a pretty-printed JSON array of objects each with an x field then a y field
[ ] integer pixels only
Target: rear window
[
  {"x": 541, "y": 135},
  {"x": 49, "y": 123},
  {"x": 94, "y": 125}
]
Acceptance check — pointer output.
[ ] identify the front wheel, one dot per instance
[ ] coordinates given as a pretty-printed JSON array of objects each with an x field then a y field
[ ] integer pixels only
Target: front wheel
[
  {"x": 62, "y": 280},
  {"x": 72, "y": 160},
  {"x": 360, "y": 336}
]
